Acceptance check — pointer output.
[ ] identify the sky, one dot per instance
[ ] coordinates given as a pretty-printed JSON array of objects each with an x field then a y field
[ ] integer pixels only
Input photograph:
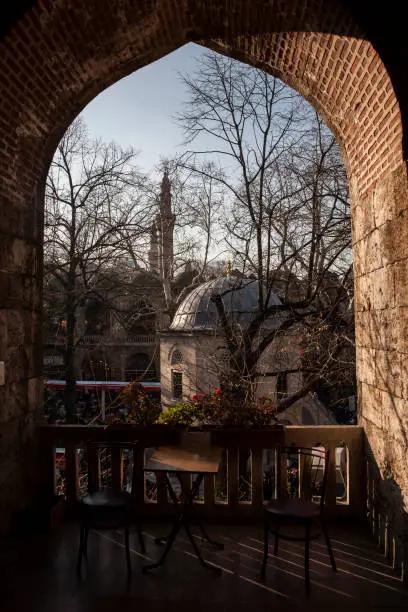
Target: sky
[{"x": 137, "y": 110}]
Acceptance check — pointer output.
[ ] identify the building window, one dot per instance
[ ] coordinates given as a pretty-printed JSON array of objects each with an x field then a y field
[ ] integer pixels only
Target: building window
[
  {"x": 176, "y": 357},
  {"x": 177, "y": 383},
  {"x": 281, "y": 385}
]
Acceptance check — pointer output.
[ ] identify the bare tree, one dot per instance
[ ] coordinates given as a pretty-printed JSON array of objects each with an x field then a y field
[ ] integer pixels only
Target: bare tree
[
  {"x": 287, "y": 217},
  {"x": 95, "y": 206}
]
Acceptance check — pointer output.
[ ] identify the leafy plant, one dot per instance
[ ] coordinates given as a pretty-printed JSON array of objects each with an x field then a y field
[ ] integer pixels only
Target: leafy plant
[
  {"x": 184, "y": 413},
  {"x": 138, "y": 409}
]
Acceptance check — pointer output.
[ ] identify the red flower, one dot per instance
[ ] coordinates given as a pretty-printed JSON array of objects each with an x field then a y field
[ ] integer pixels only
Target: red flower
[
  {"x": 194, "y": 397},
  {"x": 218, "y": 392}
]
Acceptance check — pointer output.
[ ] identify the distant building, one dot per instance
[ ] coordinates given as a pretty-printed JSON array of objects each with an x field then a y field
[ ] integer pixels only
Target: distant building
[
  {"x": 119, "y": 341},
  {"x": 193, "y": 358}
]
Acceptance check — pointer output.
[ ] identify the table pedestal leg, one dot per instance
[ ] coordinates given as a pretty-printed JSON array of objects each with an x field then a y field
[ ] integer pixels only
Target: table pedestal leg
[{"x": 183, "y": 520}]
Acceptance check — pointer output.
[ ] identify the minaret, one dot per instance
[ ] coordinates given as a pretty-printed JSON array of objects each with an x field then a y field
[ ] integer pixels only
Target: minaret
[
  {"x": 154, "y": 250},
  {"x": 165, "y": 222}
]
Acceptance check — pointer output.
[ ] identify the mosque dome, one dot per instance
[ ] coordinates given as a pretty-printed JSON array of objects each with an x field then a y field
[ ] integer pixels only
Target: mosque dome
[{"x": 240, "y": 299}]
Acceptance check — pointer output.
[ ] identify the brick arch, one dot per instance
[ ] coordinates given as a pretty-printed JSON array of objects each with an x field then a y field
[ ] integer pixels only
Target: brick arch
[
  {"x": 79, "y": 51},
  {"x": 60, "y": 55}
]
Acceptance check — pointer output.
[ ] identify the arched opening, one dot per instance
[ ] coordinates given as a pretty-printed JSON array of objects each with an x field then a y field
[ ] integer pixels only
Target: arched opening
[
  {"x": 176, "y": 369},
  {"x": 140, "y": 366},
  {"x": 319, "y": 49},
  {"x": 96, "y": 367}
]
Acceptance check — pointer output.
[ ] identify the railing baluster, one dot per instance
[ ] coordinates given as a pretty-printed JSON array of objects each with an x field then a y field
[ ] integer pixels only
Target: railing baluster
[
  {"x": 233, "y": 476},
  {"x": 209, "y": 491},
  {"x": 117, "y": 468},
  {"x": 93, "y": 470},
  {"x": 138, "y": 480},
  {"x": 162, "y": 500},
  {"x": 257, "y": 479},
  {"x": 282, "y": 476},
  {"x": 331, "y": 476},
  {"x": 71, "y": 473}
]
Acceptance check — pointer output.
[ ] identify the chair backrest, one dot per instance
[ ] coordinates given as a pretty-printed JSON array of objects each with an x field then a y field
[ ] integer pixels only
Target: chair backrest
[
  {"x": 105, "y": 457},
  {"x": 302, "y": 472}
]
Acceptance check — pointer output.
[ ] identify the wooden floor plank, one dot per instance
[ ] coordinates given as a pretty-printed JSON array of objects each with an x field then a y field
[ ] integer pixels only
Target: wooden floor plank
[{"x": 39, "y": 573}]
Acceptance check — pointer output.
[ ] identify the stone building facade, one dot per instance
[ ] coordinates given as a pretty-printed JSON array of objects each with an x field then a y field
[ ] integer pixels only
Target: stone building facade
[{"x": 193, "y": 359}]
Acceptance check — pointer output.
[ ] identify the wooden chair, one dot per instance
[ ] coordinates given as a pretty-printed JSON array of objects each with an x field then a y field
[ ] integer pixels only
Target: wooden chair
[
  {"x": 109, "y": 507},
  {"x": 302, "y": 482}
]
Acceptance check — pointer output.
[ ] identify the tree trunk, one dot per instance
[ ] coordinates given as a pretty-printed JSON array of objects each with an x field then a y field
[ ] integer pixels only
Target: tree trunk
[{"x": 70, "y": 379}]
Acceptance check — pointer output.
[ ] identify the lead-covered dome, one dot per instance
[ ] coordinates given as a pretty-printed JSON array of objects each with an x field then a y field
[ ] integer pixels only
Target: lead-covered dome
[{"x": 240, "y": 299}]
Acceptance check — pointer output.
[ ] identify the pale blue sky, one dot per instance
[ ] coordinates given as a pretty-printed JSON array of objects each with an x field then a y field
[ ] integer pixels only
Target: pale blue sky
[{"x": 137, "y": 110}]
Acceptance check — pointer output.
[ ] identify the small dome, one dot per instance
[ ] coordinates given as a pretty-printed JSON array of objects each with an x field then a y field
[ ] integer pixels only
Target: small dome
[{"x": 240, "y": 299}]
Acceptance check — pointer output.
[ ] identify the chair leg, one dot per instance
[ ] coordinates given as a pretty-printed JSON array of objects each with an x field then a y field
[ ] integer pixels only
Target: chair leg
[
  {"x": 141, "y": 538},
  {"x": 86, "y": 534},
  {"x": 307, "y": 545},
  {"x": 81, "y": 546},
  {"x": 127, "y": 548},
  {"x": 329, "y": 548},
  {"x": 276, "y": 544},
  {"x": 266, "y": 549}
]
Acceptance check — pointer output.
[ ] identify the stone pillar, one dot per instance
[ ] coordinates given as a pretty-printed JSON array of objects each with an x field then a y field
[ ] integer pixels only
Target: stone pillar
[
  {"x": 20, "y": 350},
  {"x": 380, "y": 235}
]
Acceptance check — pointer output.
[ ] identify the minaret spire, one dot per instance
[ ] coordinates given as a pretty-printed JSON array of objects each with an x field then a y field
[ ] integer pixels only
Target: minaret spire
[{"x": 165, "y": 222}]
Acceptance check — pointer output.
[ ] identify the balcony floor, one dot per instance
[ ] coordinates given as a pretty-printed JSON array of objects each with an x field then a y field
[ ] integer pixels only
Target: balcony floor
[{"x": 38, "y": 573}]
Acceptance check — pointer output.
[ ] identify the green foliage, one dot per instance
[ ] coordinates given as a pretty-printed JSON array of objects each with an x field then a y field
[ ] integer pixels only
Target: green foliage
[
  {"x": 139, "y": 408},
  {"x": 184, "y": 413},
  {"x": 220, "y": 409}
]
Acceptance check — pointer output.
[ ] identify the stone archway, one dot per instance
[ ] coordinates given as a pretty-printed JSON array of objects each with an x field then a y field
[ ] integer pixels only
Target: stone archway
[{"x": 59, "y": 56}]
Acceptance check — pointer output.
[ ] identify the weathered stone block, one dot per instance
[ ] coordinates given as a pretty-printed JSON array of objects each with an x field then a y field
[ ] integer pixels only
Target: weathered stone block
[
  {"x": 401, "y": 283},
  {"x": 363, "y": 218},
  {"x": 395, "y": 419},
  {"x": 363, "y": 296},
  {"x": 401, "y": 324},
  {"x": 400, "y": 189},
  {"x": 387, "y": 365},
  {"x": 369, "y": 404},
  {"x": 394, "y": 239},
  {"x": 382, "y": 283},
  {"x": 365, "y": 366}
]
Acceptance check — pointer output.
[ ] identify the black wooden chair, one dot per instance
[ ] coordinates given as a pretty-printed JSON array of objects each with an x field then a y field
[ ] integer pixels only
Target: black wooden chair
[
  {"x": 109, "y": 507},
  {"x": 302, "y": 482}
]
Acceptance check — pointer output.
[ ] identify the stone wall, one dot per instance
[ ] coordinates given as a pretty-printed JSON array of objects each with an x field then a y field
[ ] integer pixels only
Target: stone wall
[{"x": 380, "y": 229}]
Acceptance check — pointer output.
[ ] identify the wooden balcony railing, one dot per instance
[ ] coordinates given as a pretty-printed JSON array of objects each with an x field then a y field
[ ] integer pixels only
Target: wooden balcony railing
[
  {"x": 112, "y": 339},
  {"x": 107, "y": 339},
  {"x": 247, "y": 475},
  {"x": 141, "y": 339}
]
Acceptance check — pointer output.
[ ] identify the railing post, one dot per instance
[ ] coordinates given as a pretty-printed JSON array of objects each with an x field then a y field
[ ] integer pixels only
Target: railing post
[
  {"x": 209, "y": 491},
  {"x": 117, "y": 468},
  {"x": 71, "y": 473},
  {"x": 233, "y": 476},
  {"x": 331, "y": 476},
  {"x": 47, "y": 465},
  {"x": 257, "y": 478}
]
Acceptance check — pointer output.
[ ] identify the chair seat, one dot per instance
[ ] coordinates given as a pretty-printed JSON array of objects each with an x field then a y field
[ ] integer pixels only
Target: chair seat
[
  {"x": 107, "y": 498},
  {"x": 293, "y": 508}
]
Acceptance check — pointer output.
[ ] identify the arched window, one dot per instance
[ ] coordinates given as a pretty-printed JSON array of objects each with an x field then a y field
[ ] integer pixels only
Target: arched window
[
  {"x": 177, "y": 384},
  {"x": 176, "y": 362},
  {"x": 281, "y": 385},
  {"x": 176, "y": 357}
]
